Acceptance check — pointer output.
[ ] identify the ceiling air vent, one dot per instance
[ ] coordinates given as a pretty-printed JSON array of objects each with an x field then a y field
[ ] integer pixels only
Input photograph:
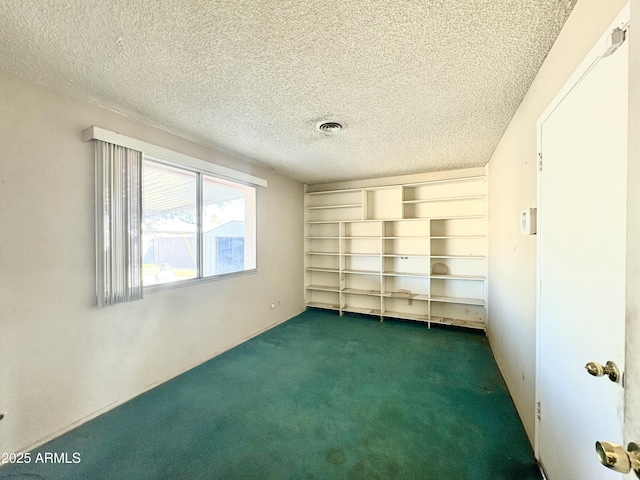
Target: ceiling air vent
[{"x": 329, "y": 127}]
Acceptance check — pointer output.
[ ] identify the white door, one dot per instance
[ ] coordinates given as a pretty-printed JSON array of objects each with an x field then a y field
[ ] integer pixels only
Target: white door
[{"x": 582, "y": 204}]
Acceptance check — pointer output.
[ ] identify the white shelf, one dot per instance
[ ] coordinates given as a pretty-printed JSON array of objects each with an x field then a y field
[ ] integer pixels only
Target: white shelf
[
  {"x": 457, "y": 277},
  {"x": 361, "y": 237},
  {"x": 358, "y": 291},
  {"x": 405, "y": 274},
  {"x": 448, "y": 199},
  {"x": 333, "y": 192},
  {"x": 361, "y": 272},
  {"x": 464, "y": 301},
  {"x": 407, "y": 237},
  {"x": 367, "y": 311},
  {"x": 479, "y": 257},
  {"x": 383, "y": 242},
  {"x": 457, "y": 322},
  {"x": 454, "y": 237},
  {"x": 325, "y": 306},
  {"x": 366, "y": 220},
  {"x": 407, "y": 315},
  {"x": 323, "y": 288},
  {"x": 474, "y": 178},
  {"x": 412, "y": 296},
  {"x": 459, "y": 217},
  {"x": 331, "y": 207}
]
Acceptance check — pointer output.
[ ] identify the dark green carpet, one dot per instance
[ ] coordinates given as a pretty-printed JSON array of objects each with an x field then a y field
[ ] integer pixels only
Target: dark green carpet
[{"x": 318, "y": 397}]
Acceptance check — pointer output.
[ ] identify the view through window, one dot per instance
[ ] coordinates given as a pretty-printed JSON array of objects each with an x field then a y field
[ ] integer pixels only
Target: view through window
[{"x": 195, "y": 225}]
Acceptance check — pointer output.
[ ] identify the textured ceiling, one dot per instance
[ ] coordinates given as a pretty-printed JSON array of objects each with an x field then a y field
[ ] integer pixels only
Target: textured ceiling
[{"x": 420, "y": 85}]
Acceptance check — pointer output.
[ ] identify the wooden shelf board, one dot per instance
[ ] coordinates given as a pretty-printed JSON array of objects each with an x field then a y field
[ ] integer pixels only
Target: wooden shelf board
[
  {"x": 332, "y": 207},
  {"x": 473, "y": 178},
  {"x": 321, "y": 253},
  {"x": 363, "y": 237},
  {"x": 329, "y": 192},
  {"x": 402, "y": 220},
  {"x": 456, "y": 237},
  {"x": 319, "y": 269},
  {"x": 407, "y": 237},
  {"x": 444, "y": 199},
  {"x": 397, "y": 255},
  {"x": 456, "y": 322},
  {"x": 382, "y": 187},
  {"x": 405, "y": 274},
  {"x": 326, "y": 306},
  {"x": 362, "y": 272},
  {"x": 458, "y": 277},
  {"x": 390, "y": 219},
  {"x": 323, "y": 288},
  {"x": 351, "y": 254},
  {"x": 365, "y": 220},
  {"x": 459, "y": 217},
  {"x": 369, "y": 311},
  {"x": 459, "y": 300},
  {"x": 479, "y": 257},
  {"x": 407, "y": 295},
  {"x": 359, "y": 291},
  {"x": 322, "y": 238},
  {"x": 407, "y": 315},
  {"x": 318, "y": 222}
]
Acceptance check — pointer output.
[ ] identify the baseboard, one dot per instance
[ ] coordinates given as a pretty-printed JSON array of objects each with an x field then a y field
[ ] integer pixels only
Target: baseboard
[
  {"x": 530, "y": 435},
  {"x": 151, "y": 386}
]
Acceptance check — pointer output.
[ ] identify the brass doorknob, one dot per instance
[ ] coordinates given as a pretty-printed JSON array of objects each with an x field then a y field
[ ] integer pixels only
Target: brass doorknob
[
  {"x": 618, "y": 459},
  {"x": 610, "y": 369}
]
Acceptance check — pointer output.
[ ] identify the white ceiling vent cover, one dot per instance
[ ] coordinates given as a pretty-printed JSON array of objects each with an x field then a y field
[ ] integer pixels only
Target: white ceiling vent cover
[{"x": 329, "y": 127}]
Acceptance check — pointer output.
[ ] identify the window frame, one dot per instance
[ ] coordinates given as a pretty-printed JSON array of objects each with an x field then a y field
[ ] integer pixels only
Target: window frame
[{"x": 200, "y": 174}]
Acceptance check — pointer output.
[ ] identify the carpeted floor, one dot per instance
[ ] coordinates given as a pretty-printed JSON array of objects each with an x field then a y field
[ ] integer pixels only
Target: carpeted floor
[{"x": 319, "y": 397}]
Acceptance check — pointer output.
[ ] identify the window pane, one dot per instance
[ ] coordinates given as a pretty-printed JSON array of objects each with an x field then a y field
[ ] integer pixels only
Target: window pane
[
  {"x": 228, "y": 224},
  {"x": 169, "y": 224}
]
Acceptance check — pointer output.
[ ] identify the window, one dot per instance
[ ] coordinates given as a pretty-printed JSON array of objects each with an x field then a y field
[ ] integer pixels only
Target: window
[{"x": 194, "y": 225}]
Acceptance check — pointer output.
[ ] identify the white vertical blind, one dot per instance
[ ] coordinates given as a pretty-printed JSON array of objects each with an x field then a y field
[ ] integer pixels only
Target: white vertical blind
[{"x": 118, "y": 224}]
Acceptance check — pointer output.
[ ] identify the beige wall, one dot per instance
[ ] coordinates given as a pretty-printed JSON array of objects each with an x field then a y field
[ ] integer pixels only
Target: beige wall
[
  {"x": 513, "y": 187},
  {"x": 632, "y": 361},
  {"x": 61, "y": 358}
]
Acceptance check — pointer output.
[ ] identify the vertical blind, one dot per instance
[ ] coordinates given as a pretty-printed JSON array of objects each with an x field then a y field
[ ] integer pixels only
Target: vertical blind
[{"x": 118, "y": 224}]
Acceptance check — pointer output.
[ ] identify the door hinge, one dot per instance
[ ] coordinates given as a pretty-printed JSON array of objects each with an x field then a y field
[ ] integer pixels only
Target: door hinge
[
  {"x": 617, "y": 38},
  {"x": 538, "y": 411},
  {"x": 539, "y": 161}
]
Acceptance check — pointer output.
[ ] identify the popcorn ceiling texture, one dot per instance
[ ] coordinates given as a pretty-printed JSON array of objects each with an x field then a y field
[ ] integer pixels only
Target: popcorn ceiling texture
[{"x": 420, "y": 85}]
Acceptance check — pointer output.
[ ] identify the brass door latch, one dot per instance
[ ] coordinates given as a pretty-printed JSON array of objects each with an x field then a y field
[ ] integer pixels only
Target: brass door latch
[
  {"x": 618, "y": 459},
  {"x": 610, "y": 369}
]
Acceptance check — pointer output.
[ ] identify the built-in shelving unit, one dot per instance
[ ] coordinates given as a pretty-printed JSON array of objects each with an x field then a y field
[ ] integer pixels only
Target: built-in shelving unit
[{"x": 413, "y": 251}]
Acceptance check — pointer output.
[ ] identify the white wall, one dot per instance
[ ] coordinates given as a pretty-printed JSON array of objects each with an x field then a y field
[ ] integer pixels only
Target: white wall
[
  {"x": 61, "y": 358},
  {"x": 512, "y": 187},
  {"x": 632, "y": 361}
]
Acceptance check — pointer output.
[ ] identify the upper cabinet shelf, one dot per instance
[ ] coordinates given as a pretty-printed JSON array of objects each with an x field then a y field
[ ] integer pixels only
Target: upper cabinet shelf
[
  {"x": 449, "y": 199},
  {"x": 330, "y": 207},
  {"x": 334, "y": 205}
]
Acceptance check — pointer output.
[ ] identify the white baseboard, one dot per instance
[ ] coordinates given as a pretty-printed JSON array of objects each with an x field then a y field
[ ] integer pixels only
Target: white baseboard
[{"x": 151, "y": 386}]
